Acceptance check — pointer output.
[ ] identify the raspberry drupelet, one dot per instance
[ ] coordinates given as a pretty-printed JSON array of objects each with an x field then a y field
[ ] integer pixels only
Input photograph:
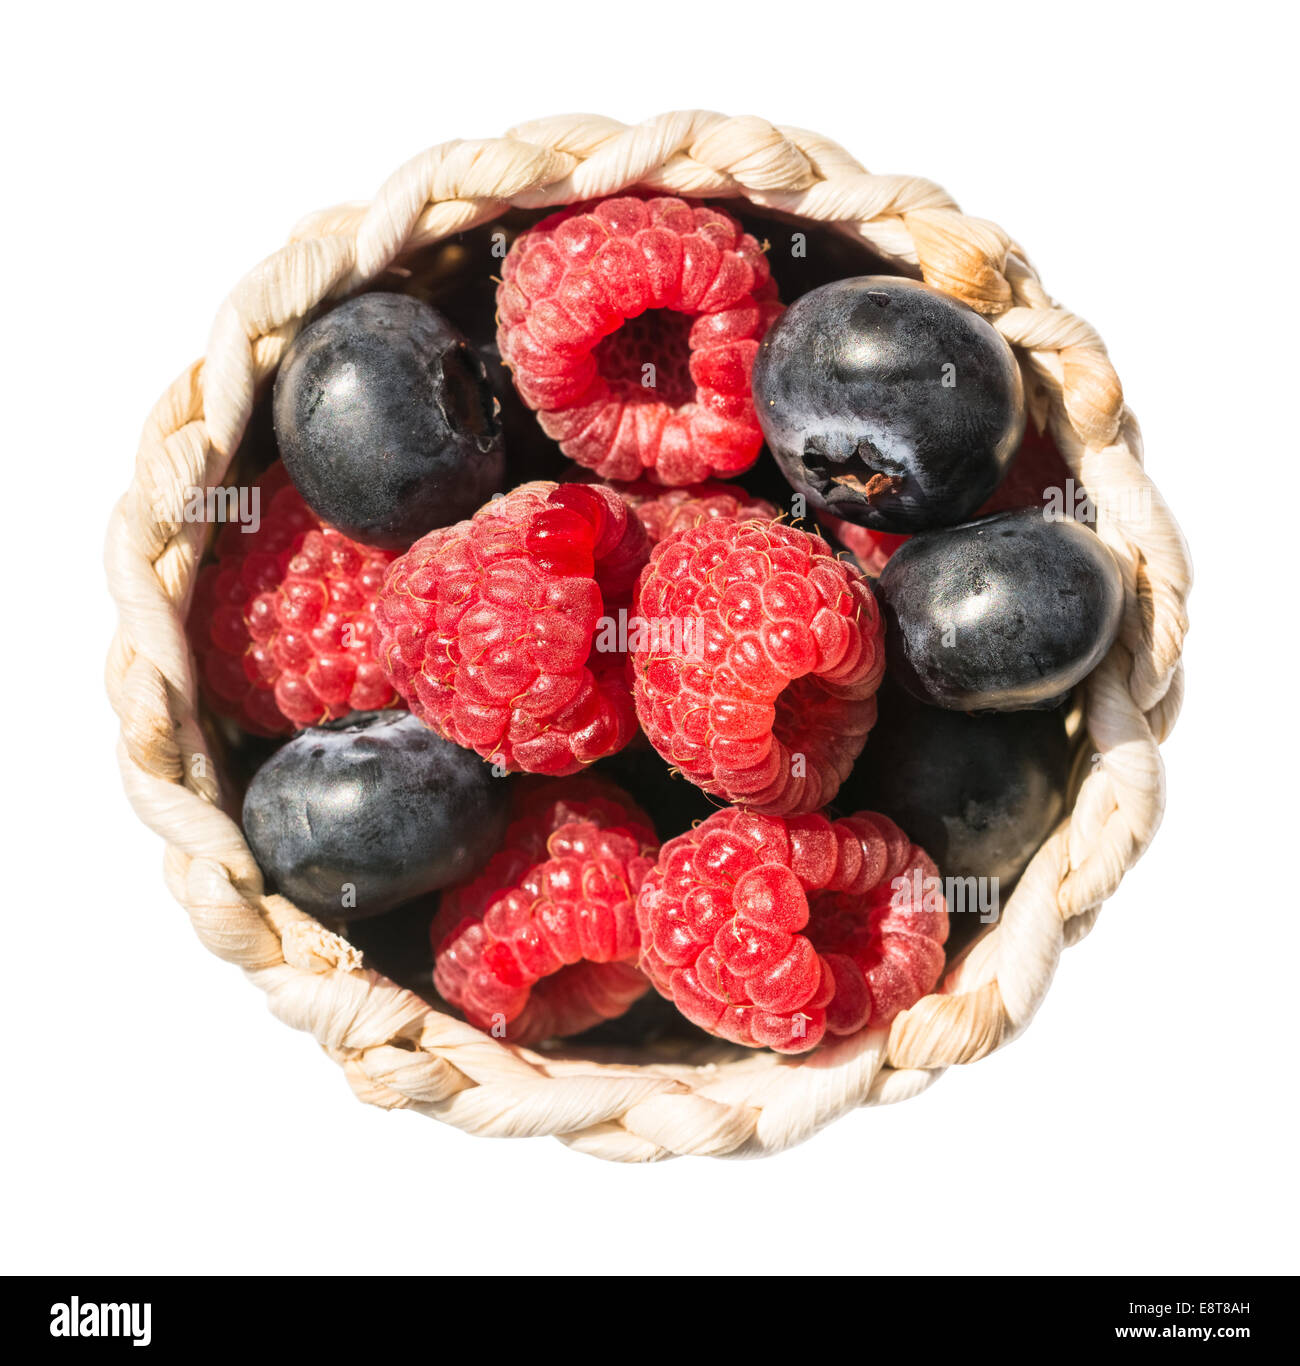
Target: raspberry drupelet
[
  {"x": 543, "y": 942},
  {"x": 773, "y": 932},
  {"x": 767, "y": 699},
  {"x": 283, "y": 623},
  {"x": 663, "y": 511},
  {"x": 630, "y": 327},
  {"x": 871, "y": 549},
  {"x": 489, "y": 627}
]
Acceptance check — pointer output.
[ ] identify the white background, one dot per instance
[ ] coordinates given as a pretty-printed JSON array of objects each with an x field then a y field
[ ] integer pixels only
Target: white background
[{"x": 158, "y": 1118}]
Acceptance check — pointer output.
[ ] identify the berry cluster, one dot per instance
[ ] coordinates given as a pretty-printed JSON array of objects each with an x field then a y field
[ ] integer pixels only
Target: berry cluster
[{"x": 462, "y": 681}]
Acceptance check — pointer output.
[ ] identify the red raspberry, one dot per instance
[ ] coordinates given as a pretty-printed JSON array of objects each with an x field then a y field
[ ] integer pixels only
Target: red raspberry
[
  {"x": 544, "y": 942},
  {"x": 664, "y": 511},
  {"x": 762, "y": 657},
  {"x": 1037, "y": 469},
  {"x": 283, "y": 624},
  {"x": 489, "y": 627},
  {"x": 772, "y": 932},
  {"x": 591, "y": 295},
  {"x": 871, "y": 549}
]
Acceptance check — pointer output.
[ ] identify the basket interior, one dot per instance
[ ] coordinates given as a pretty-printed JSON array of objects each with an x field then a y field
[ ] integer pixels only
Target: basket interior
[{"x": 458, "y": 276}]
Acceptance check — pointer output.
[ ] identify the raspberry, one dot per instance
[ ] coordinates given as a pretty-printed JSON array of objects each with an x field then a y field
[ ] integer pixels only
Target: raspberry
[
  {"x": 664, "y": 511},
  {"x": 489, "y": 627},
  {"x": 773, "y": 932},
  {"x": 283, "y": 624},
  {"x": 764, "y": 692},
  {"x": 871, "y": 549},
  {"x": 592, "y": 295},
  {"x": 544, "y": 941},
  {"x": 1037, "y": 470}
]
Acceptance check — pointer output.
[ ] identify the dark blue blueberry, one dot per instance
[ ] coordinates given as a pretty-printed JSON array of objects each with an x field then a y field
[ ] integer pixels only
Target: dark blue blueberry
[
  {"x": 1003, "y": 613},
  {"x": 471, "y": 306},
  {"x": 351, "y": 818},
  {"x": 979, "y": 794},
  {"x": 386, "y": 420},
  {"x": 889, "y": 404}
]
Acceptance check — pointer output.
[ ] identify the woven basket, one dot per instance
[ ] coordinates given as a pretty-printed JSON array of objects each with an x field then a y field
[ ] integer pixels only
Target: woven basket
[{"x": 394, "y": 1048}]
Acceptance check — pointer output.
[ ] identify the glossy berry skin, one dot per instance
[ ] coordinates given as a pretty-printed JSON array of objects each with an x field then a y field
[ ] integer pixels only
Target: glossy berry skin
[
  {"x": 1037, "y": 476},
  {"x": 469, "y": 300},
  {"x": 377, "y": 801},
  {"x": 889, "y": 404},
  {"x": 979, "y": 793},
  {"x": 773, "y": 932},
  {"x": 544, "y": 941},
  {"x": 1000, "y": 614},
  {"x": 386, "y": 421},
  {"x": 492, "y": 629}
]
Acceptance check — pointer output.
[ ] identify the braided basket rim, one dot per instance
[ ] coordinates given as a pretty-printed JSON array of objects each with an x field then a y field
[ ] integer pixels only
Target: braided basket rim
[{"x": 395, "y": 1049}]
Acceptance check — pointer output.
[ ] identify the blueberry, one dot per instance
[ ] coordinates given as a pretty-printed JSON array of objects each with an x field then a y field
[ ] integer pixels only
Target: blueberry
[
  {"x": 386, "y": 421},
  {"x": 351, "y": 818},
  {"x": 1003, "y": 613},
  {"x": 889, "y": 404},
  {"x": 979, "y": 794},
  {"x": 530, "y": 453}
]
